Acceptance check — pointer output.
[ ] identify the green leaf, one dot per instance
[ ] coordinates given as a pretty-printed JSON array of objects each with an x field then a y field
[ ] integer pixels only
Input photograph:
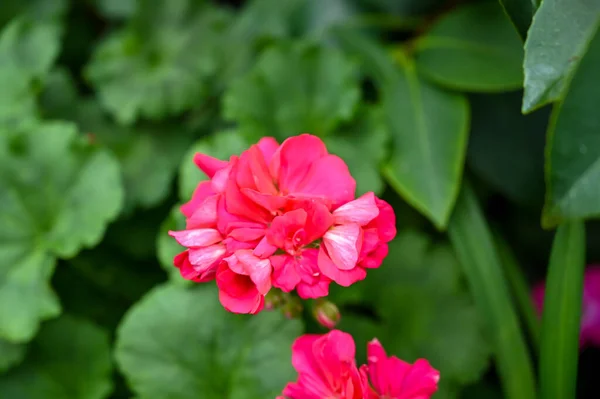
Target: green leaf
[
  {"x": 559, "y": 37},
  {"x": 167, "y": 247},
  {"x": 520, "y": 13},
  {"x": 180, "y": 343},
  {"x": 116, "y": 9},
  {"x": 27, "y": 51},
  {"x": 363, "y": 146},
  {"x": 562, "y": 313},
  {"x": 429, "y": 129},
  {"x": 58, "y": 193},
  {"x": 500, "y": 132},
  {"x": 158, "y": 65},
  {"x": 482, "y": 267},
  {"x": 10, "y": 354},
  {"x": 293, "y": 89},
  {"x": 573, "y": 149},
  {"x": 221, "y": 145},
  {"x": 70, "y": 359},
  {"x": 473, "y": 48},
  {"x": 421, "y": 309}
]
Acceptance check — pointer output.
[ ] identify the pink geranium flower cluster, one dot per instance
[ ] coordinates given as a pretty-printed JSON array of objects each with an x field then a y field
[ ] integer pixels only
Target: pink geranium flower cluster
[
  {"x": 327, "y": 368},
  {"x": 282, "y": 216}
]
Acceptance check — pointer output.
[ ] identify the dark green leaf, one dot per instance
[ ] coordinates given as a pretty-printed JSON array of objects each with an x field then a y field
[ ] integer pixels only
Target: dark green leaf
[
  {"x": 158, "y": 66},
  {"x": 180, "y": 343},
  {"x": 293, "y": 89},
  {"x": 363, "y": 145},
  {"x": 482, "y": 267},
  {"x": 10, "y": 354},
  {"x": 559, "y": 37},
  {"x": 473, "y": 48},
  {"x": 117, "y": 9},
  {"x": 429, "y": 128},
  {"x": 58, "y": 193},
  {"x": 70, "y": 359},
  {"x": 562, "y": 313},
  {"x": 520, "y": 13},
  {"x": 573, "y": 154}
]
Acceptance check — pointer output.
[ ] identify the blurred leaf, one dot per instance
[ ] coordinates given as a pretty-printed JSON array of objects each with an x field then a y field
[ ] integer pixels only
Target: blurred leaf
[
  {"x": 10, "y": 355},
  {"x": 221, "y": 145},
  {"x": 472, "y": 48},
  {"x": 499, "y": 132},
  {"x": 429, "y": 128},
  {"x": 561, "y": 319},
  {"x": 363, "y": 146},
  {"x": 421, "y": 310},
  {"x": 482, "y": 267},
  {"x": 520, "y": 13},
  {"x": 180, "y": 343},
  {"x": 57, "y": 194},
  {"x": 559, "y": 37},
  {"x": 37, "y": 10},
  {"x": 117, "y": 9},
  {"x": 294, "y": 89},
  {"x": 167, "y": 247},
  {"x": 70, "y": 359},
  {"x": 573, "y": 153},
  {"x": 159, "y": 64},
  {"x": 27, "y": 51},
  {"x": 148, "y": 154},
  {"x": 318, "y": 16}
]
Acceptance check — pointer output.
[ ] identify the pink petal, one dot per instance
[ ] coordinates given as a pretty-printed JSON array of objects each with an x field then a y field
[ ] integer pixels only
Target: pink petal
[
  {"x": 208, "y": 164},
  {"x": 268, "y": 146},
  {"x": 204, "y": 258},
  {"x": 205, "y": 215},
  {"x": 386, "y": 221},
  {"x": 247, "y": 234},
  {"x": 375, "y": 258},
  {"x": 319, "y": 220},
  {"x": 188, "y": 271},
  {"x": 345, "y": 278},
  {"x": 292, "y": 161},
  {"x": 220, "y": 179},
  {"x": 360, "y": 211},
  {"x": 420, "y": 380},
  {"x": 283, "y": 227},
  {"x": 238, "y": 204},
  {"x": 319, "y": 289},
  {"x": 285, "y": 273},
  {"x": 270, "y": 202},
  {"x": 264, "y": 249},
  {"x": 196, "y": 238},
  {"x": 343, "y": 245},
  {"x": 251, "y": 303},
  {"x": 201, "y": 193},
  {"x": 258, "y": 269}
]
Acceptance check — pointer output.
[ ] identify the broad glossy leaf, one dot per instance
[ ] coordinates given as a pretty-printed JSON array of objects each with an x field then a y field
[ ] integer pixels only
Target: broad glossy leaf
[
  {"x": 429, "y": 128},
  {"x": 559, "y": 37},
  {"x": 158, "y": 65},
  {"x": 167, "y": 247},
  {"x": 180, "y": 343},
  {"x": 27, "y": 51},
  {"x": 561, "y": 319},
  {"x": 363, "y": 144},
  {"x": 117, "y": 9},
  {"x": 10, "y": 354},
  {"x": 573, "y": 154},
  {"x": 69, "y": 359},
  {"x": 293, "y": 89},
  {"x": 520, "y": 13},
  {"x": 421, "y": 310},
  {"x": 57, "y": 193},
  {"x": 473, "y": 48}
]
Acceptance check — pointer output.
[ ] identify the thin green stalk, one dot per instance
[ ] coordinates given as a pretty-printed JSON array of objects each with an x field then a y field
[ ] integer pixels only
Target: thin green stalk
[
  {"x": 474, "y": 245},
  {"x": 520, "y": 289},
  {"x": 562, "y": 313}
]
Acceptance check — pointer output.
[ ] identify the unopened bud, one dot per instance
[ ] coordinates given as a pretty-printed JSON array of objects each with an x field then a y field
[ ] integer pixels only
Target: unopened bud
[
  {"x": 292, "y": 308},
  {"x": 326, "y": 313}
]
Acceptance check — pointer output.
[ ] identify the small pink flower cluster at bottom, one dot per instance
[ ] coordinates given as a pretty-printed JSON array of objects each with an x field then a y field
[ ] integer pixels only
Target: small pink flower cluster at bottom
[{"x": 327, "y": 369}]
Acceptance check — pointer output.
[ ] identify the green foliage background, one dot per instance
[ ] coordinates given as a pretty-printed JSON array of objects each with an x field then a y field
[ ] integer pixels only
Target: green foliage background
[{"x": 104, "y": 102}]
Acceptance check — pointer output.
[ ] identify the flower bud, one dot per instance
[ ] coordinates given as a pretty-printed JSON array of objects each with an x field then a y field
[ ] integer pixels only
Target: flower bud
[
  {"x": 292, "y": 308},
  {"x": 326, "y": 313},
  {"x": 274, "y": 299}
]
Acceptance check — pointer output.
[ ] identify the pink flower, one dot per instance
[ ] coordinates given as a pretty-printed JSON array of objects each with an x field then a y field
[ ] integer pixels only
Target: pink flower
[
  {"x": 590, "y": 316},
  {"x": 288, "y": 206},
  {"x": 326, "y": 368},
  {"x": 392, "y": 378}
]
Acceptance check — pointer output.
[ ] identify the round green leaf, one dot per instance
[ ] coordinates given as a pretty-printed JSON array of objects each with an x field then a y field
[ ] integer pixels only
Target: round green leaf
[
  {"x": 167, "y": 247},
  {"x": 294, "y": 89},
  {"x": 429, "y": 128},
  {"x": 573, "y": 154},
  {"x": 221, "y": 145},
  {"x": 57, "y": 193},
  {"x": 363, "y": 146},
  {"x": 69, "y": 359},
  {"x": 158, "y": 65},
  {"x": 473, "y": 48},
  {"x": 180, "y": 343},
  {"x": 10, "y": 354}
]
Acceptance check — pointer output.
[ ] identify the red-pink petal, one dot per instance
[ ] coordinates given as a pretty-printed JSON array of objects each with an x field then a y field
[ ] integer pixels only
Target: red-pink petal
[
  {"x": 251, "y": 303},
  {"x": 343, "y": 245},
  {"x": 201, "y": 193},
  {"x": 312, "y": 291},
  {"x": 270, "y": 202},
  {"x": 204, "y": 258},
  {"x": 258, "y": 269},
  {"x": 197, "y": 237},
  {"x": 293, "y": 160},
  {"x": 386, "y": 221},
  {"x": 268, "y": 146},
  {"x": 285, "y": 273},
  {"x": 360, "y": 211},
  {"x": 208, "y": 164},
  {"x": 345, "y": 278},
  {"x": 205, "y": 215},
  {"x": 264, "y": 249}
]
